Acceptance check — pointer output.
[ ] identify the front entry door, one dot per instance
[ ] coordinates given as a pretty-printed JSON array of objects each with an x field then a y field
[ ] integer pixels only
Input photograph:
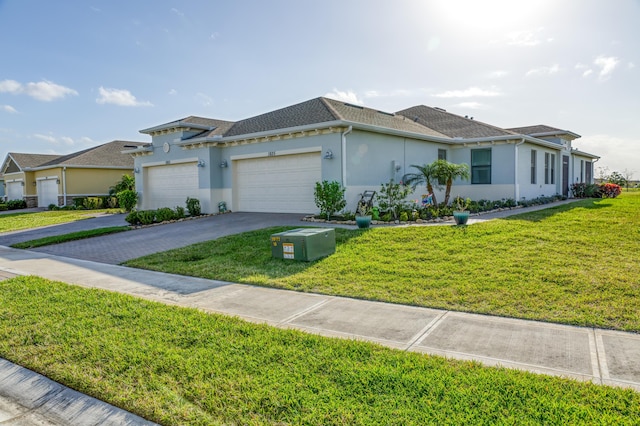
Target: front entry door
[{"x": 565, "y": 175}]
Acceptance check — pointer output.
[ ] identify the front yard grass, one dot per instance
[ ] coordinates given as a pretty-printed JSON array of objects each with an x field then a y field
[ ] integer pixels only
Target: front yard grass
[
  {"x": 73, "y": 236},
  {"x": 573, "y": 264},
  {"x": 181, "y": 366},
  {"x": 27, "y": 220}
]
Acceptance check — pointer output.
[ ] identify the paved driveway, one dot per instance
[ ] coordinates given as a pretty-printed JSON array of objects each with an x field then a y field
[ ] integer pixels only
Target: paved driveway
[{"x": 117, "y": 248}]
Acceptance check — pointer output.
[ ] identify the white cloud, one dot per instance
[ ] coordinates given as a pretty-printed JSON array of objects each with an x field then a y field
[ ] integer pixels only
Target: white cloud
[
  {"x": 553, "y": 69},
  {"x": 46, "y": 138},
  {"x": 631, "y": 65},
  {"x": 173, "y": 92},
  {"x": 8, "y": 108},
  {"x": 527, "y": 38},
  {"x": 468, "y": 93},
  {"x": 177, "y": 12},
  {"x": 120, "y": 97},
  {"x": 498, "y": 74},
  {"x": 205, "y": 100},
  {"x": 471, "y": 105},
  {"x": 607, "y": 65},
  {"x": 348, "y": 96},
  {"x": 66, "y": 140},
  {"x": 42, "y": 90}
]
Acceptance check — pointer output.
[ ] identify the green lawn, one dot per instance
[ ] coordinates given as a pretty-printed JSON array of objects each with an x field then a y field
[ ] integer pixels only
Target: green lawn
[
  {"x": 26, "y": 220},
  {"x": 73, "y": 236},
  {"x": 575, "y": 264},
  {"x": 179, "y": 366}
]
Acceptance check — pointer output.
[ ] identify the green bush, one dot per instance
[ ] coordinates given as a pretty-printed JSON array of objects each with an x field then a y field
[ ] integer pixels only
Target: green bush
[
  {"x": 133, "y": 218},
  {"x": 16, "y": 204},
  {"x": 165, "y": 214},
  {"x": 391, "y": 197},
  {"x": 79, "y": 202},
  {"x": 127, "y": 199},
  {"x": 329, "y": 197},
  {"x": 53, "y": 207},
  {"x": 193, "y": 206},
  {"x": 180, "y": 213},
  {"x": 92, "y": 203},
  {"x": 3, "y": 207},
  {"x": 147, "y": 217}
]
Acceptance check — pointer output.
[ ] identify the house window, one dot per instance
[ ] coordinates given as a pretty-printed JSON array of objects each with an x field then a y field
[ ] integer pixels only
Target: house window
[
  {"x": 442, "y": 154},
  {"x": 581, "y": 171},
  {"x": 549, "y": 168},
  {"x": 481, "y": 166},
  {"x": 534, "y": 154},
  {"x": 588, "y": 171}
]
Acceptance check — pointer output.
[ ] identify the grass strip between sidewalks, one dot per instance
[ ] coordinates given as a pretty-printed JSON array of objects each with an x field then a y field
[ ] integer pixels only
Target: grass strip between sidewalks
[
  {"x": 73, "y": 236},
  {"x": 27, "y": 220},
  {"x": 175, "y": 365},
  {"x": 573, "y": 264}
]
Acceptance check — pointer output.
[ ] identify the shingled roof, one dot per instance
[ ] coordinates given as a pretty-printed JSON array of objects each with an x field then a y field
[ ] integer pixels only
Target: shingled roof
[
  {"x": 325, "y": 110},
  {"x": 537, "y": 129},
  {"x": 105, "y": 155},
  {"x": 452, "y": 125},
  {"x": 27, "y": 161},
  {"x": 208, "y": 126}
]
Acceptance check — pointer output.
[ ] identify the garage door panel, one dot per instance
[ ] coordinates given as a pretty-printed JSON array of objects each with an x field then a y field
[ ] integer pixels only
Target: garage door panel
[
  {"x": 47, "y": 192},
  {"x": 14, "y": 191},
  {"x": 278, "y": 184},
  {"x": 170, "y": 185}
]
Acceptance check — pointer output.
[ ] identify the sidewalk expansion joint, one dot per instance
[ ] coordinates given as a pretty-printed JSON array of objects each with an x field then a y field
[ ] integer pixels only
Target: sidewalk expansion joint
[
  {"x": 426, "y": 331},
  {"x": 305, "y": 311},
  {"x": 602, "y": 356}
]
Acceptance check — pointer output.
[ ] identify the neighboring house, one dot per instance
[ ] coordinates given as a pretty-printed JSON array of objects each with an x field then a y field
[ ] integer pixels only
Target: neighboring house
[
  {"x": 270, "y": 162},
  {"x": 42, "y": 179}
]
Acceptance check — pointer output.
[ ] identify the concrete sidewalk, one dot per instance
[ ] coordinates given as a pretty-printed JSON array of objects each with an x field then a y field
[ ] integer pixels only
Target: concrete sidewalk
[{"x": 601, "y": 356}]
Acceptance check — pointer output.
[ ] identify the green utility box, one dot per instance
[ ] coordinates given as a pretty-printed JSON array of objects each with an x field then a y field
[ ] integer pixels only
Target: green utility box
[{"x": 305, "y": 244}]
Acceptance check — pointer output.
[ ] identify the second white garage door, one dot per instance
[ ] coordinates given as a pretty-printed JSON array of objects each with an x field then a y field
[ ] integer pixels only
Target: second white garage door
[
  {"x": 170, "y": 185},
  {"x": 47, "y": 192},
  {"x": 282, "y": 184}
]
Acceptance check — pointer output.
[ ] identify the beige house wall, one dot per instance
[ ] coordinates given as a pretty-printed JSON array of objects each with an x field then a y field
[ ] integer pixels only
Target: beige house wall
[{"x": 93, "y": 181}]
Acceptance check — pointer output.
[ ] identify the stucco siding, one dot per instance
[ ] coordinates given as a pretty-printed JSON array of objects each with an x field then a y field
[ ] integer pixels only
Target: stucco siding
[{"x": 92, "y": 181}]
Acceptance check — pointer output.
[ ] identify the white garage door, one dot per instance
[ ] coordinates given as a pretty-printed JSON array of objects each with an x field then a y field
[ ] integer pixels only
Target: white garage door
[
  {"x": 170, "y": 185},
  {"x": 47, "y": 192},
  {"x": 282, "y": 184},
  {"x": 14, "y": 190}
]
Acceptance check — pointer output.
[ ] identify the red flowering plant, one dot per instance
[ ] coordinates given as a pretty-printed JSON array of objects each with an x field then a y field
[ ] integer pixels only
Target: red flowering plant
[{"x": 610, "y": 190}]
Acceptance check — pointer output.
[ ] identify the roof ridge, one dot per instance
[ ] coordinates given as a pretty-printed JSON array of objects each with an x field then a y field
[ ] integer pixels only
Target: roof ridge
[{"x": 332, "y": 110}]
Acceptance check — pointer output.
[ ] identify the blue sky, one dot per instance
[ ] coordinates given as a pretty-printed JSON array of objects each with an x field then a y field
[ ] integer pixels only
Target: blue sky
[{"x": 77, "y": 73}]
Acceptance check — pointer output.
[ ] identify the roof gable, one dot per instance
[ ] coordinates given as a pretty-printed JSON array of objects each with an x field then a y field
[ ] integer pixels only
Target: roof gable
[
  {"x": 17, "y": 161},
  {"x": 452, "y": 125}
]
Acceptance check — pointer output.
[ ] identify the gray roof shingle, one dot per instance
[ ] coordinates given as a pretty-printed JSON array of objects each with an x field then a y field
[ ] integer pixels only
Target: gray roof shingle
[
  {"x": 537, "y": 129},
  {"x": 452, "y": 125},
  {"x": 27, "y": 161},
  {"x": 105, "y": 155},
  {"x": 323, "y": 110}
]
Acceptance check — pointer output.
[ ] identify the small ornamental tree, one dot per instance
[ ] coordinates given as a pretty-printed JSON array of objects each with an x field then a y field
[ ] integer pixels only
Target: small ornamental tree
[
  {"x": 329, "y": 197},
  {"x": 392, "y": 197}
]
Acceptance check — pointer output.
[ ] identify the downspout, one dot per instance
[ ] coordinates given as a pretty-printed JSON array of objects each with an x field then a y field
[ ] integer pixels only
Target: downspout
[
  {"x": 64, "y": 186},
  {"x": 516, "y": 184},
  {"x": 344, "y": 156}
]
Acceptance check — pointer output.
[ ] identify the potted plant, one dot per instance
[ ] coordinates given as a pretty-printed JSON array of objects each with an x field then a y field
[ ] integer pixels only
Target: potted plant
[
  {"x": 363, "y": 215},
  {"x": 461, "y": 212}
]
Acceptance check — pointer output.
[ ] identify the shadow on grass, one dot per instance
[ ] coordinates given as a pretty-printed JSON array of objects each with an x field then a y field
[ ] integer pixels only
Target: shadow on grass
[{"x": 545, "y": 213}]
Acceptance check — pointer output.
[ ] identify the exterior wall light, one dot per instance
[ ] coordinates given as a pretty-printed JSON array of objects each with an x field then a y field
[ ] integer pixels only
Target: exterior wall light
[
  {"x": 201, "y": 163},
  {"x": 328, "y": 155},
  {"x": 136, "y": 170},
  {"x": 224, "y": 164}
]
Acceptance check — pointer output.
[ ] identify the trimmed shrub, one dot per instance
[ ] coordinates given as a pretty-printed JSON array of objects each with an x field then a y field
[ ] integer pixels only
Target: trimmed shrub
[
  {"x": 79, "y": 202},
  {"x": 193, "y": 206},
  {"x": 147, "y": 217},
  {"x": 16, "y": 204},
  {"x": 133, "y": 218},
  {"x": 180, "y": 212},
  {"x": 165, "y": 214},
  {"x": 127, "y": 199},
  {"x": 3, "y": 207},
  {"x": 92, "y": 203}
]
